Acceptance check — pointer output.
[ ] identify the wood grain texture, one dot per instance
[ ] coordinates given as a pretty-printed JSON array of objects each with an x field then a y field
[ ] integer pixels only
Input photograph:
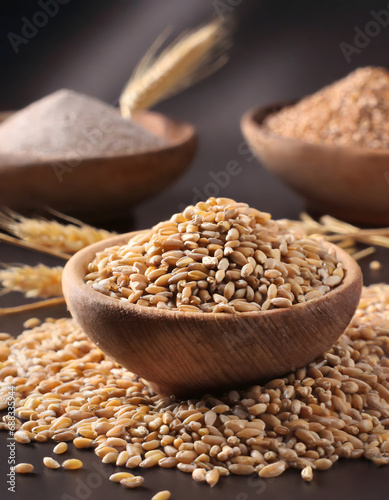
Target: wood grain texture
[
  {"x": 96, "y": 185},
  {"x": 192, "y": 353},
  {"x": 349, "y": 183}
]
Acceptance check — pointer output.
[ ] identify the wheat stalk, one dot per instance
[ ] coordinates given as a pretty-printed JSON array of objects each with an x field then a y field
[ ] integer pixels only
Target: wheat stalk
[
  {"x": 50, "y": 236},
  {"x": 192, "y": 57},
  {"x": 32, "y": 246},
  {"x": 31, "y": 307},
  {"x": 345, "y": 235},
  {"x": 33, "y": 281}
]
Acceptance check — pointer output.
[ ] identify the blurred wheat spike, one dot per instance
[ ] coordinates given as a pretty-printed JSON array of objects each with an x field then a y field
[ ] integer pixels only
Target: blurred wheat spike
[
  {"x": 33, "y": 281},
  {"x": 190, "y": 58},
  {"x": 51, "y": 236}
]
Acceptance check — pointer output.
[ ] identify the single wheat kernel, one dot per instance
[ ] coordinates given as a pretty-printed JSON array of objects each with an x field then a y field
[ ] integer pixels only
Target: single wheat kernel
[
  {"x": 81, "y": 442},
  {"x": 199, "y": 475},
  {"x": 273, "y": 470},
  {"x": 60, "y": 448},
  {"x": 133, "y": 462},
  {"x": 24, "y": 468},
  {"x": 110, "y": 457},
  {"x": 21, "y": 437},
  {"x": 32, "y": 323},
  {"x": 72, "y": 464},
  {"x": 162, "y": 495},
  {"x": 132, "y": 482},
  {"x": 51, "y": 463},
  {"x": 307, "y": 473},
  {"x": 118, "y": 476},
  {"x": 212, "y": 477}
]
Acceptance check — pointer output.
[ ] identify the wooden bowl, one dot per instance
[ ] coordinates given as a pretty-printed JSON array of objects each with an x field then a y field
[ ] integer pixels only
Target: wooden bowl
[
  {"x": 349, "y": 183},
  {"x": 98, "y": 186},
  {"x": 186, "y": 353}
]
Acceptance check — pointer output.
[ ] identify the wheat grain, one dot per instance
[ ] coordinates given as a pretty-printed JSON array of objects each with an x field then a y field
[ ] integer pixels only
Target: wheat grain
[
  {"x": 307, "y": 473},
  {"x": 118, "y": 476},
  {"x": 132, "y": 482},
  {"x": 162, "y": 495},
  {"x": 60, "y": 448},
  {"x": 273, "y": 470},
  {"x": 51, "y": 463},
  {"x": 375, "y": 265},
  {"x": 24, "y": 468},
  {"x": 72, "y": 464}
]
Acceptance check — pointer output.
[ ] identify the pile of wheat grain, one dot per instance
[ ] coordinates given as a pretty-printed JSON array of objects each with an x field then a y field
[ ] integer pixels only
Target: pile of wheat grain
[{"x": 217, "y": 256}]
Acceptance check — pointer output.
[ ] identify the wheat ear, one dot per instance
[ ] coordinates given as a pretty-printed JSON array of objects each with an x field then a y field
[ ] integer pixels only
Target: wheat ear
[
  {"x": 343, "y": 234},
  {"x": 50, "y": 236},
  {"x": 192, "y": 57},
  {"x": 33, "y": 281}
]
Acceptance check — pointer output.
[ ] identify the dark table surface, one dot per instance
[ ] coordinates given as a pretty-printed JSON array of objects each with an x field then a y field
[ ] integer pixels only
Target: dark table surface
[{"x": 283, "y": 50}]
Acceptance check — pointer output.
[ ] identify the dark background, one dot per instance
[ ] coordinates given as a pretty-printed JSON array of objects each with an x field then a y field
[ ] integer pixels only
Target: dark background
[{"x": 282, "y": 50}]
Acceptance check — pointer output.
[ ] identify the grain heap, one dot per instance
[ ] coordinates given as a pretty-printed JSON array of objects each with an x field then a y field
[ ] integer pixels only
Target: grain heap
[
  {"x": 70, "y": 125},
  {"x": 218, "y": 256},
  {"x": 337, "y": 407},
  {"x": 353, "y": 111}
]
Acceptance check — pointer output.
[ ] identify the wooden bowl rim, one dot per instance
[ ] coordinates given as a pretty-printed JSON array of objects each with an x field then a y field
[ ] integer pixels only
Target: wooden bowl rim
[
  {"x": 186, "y": 136},
  {"x": 251, "y": 121},
  {"x": 82, "y": 257}
]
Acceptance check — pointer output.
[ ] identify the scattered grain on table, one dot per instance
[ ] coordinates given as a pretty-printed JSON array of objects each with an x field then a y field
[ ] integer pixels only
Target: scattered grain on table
[
  {"x": 24, "y": 468},
  {"x": 72, "y": 464},
  {"x": 51, "y": 463},
  {"x": 336, "y": 407}
]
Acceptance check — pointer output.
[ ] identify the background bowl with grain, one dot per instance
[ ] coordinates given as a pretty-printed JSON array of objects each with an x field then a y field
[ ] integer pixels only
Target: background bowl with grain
[
  {"x": 99, "y": 185},
  {"x": 349, "y": 183}
]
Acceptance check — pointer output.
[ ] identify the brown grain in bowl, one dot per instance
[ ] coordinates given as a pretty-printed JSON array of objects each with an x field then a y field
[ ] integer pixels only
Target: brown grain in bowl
[
  {"x": 353, "y": 111},
  {"x": 218, "y": 256}
]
